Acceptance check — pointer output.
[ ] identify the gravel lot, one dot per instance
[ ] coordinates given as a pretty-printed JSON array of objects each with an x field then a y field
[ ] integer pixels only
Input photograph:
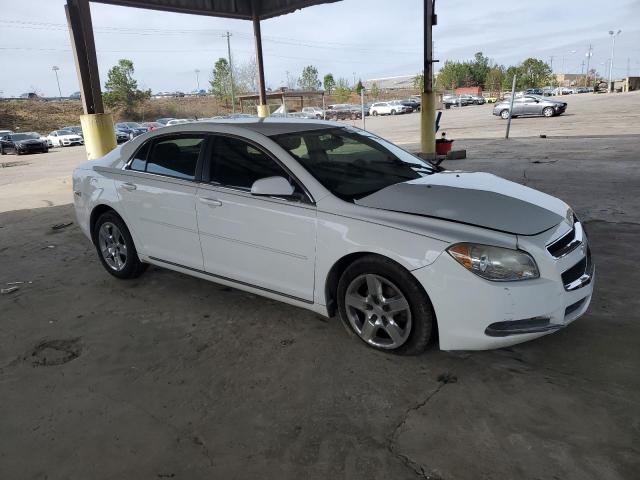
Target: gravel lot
[{"x": 168, "y": 376}]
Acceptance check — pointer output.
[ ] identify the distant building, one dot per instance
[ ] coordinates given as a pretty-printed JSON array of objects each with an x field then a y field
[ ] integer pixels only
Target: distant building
[
  {"x": 568, "y": 79},
  {"x": 402, "y": 82}
]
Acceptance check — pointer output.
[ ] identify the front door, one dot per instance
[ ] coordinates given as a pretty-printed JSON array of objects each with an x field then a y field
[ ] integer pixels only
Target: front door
[
  {"x": 264, "y": 242},
  {"x": 159, "y": 190}
]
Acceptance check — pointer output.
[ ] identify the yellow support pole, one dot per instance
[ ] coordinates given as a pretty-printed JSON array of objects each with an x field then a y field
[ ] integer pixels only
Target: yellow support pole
[
  {"x": 428, "y": 124},
  {"x": 99, "y": 135},
  {"x": 263, "y": 111}
]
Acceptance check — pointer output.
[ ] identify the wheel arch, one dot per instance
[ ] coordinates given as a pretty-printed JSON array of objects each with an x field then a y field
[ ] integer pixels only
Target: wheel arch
[{"x": 99, "y": 210}]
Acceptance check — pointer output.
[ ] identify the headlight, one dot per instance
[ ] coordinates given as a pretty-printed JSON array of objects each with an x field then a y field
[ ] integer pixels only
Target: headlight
[{"x": 495, "y": 263}]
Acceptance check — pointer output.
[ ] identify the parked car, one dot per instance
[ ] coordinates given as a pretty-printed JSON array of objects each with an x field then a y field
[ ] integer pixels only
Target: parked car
[
  {"x": 65, "y": 138},
  {"x": 457, "y": 100},
  {"x": 341, "y": 222},
  {"x": 342, "y": 112},
  {"x": 388, "y": 108},
  {"x": 313, "y": 112},
  {"x": 5, "y": 132},
  {"x": 478, "y": 100},
  {"x": 121, "y": 137},
  {"x": 491, "y": 99},
  {"x": 133, "y": 129},
  {"x": 413, "y": 105},
  {"x": 562, "y": 91},
  {"x": 164, "y": 121},
  {"x": 21, "y": 143},
  {"x": 548, "y": 91},
  {"x": 44, "y": 138},
  {"x": 152, "y": 125},
  {"x": 76, "y": 129},
  {"x": 582, "y": 90},
  {"x": 178, "y": 121},
  {"x": 534, "y": 91},
  {"x": 530, "y": 105}
]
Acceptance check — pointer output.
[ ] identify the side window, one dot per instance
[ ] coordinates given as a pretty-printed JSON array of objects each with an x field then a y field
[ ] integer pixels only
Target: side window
[
  {"x": 139, "y": 162},
  {"x": 238, "y": 164},
  {"x": 175, "y": 156}
]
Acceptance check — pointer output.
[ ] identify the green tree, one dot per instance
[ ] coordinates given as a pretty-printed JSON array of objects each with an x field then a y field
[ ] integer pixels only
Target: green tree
[
  {"x": 342, "y": 91},
  {"x": 220, "y": 83},
  {"x": 418, "y": 82},
  {"x": 494, "y": 79},
  {"x": 478, "y": 69},
  {"x": 375, "y": 90},
  {"x": 329, "y": 83},
  {"x": 122, "y": 91},
  {"x": 534, "y": 73},
  {"x": 309, "y": 78},
  {"x": 454, "y": 75},
  {"x": 359, "y": 87}
]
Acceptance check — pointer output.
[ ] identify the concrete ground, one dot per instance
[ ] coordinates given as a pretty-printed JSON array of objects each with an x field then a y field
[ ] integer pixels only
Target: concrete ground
[{"x": 168, "y": 376}]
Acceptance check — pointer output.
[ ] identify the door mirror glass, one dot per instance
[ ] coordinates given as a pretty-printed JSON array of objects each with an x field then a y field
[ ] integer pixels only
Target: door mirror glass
[{"x": 272, "y": 186}]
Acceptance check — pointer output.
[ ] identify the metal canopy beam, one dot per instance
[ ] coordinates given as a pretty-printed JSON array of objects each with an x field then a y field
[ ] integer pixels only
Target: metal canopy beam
[
  {"x": 240, "y": 9},
  {"x": 84, "y": 52}
]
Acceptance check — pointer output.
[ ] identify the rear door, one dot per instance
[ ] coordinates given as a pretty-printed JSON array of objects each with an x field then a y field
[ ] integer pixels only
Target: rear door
[
  {"x": 518, "y": 106},
  {"x": 264, "y": 242},
  {"x": 158, "y": 189}
]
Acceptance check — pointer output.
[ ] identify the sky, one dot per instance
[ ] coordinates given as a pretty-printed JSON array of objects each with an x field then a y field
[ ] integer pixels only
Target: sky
[{"x": 361, "y": 39}]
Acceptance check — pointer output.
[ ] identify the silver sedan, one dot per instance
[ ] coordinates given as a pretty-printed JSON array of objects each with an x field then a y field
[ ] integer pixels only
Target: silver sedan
[{"x": 529, "y": 105}]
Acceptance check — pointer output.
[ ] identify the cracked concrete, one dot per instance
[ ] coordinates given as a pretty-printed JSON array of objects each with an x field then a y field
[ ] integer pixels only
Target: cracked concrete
[{"x": 179, "y": 378}]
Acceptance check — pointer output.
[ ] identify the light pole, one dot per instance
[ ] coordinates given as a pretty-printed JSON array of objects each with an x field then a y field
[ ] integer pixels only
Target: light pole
[
  {"x": 613, "y": 47},
  {"x": 589, "y": 54},
  {"x": 570, "y": 52},
  {"x": 55, "y": 70},
  {"x": 197, "y": 79}
]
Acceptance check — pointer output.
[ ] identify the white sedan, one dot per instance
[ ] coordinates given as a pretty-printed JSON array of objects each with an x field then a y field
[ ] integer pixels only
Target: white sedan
[
  {"x": 336, "y": 220},
  {"x": 64, "y": 138},
  {"x": 387, "y": 108}
]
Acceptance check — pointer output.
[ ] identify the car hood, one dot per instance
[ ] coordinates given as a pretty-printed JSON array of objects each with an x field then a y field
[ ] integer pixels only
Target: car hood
[
  {"x": 479, "y": 199},
  {"x": 29, "y": 141}
]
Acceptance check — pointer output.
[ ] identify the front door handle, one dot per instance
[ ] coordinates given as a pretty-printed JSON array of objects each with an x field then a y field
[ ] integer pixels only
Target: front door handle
[
  {"x": 210, "y": 201},
  {"x": 129, "y": 186}
]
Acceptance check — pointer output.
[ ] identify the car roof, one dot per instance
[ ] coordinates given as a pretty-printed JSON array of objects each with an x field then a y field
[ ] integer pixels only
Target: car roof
[{"x": 270, "y": 126}]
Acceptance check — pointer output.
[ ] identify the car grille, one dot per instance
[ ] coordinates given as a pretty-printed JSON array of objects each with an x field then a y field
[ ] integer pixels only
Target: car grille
[
  {"x": 568, "y": 242},
  {"x": 579, "y": 275}
]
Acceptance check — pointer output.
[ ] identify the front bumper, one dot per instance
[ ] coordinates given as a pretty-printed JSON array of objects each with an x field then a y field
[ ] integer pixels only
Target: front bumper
[{"x": 476, "y": 314}]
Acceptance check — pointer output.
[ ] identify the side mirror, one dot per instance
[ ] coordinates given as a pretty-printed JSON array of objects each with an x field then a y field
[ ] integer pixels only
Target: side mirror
[{"x": 272, "y": 186}]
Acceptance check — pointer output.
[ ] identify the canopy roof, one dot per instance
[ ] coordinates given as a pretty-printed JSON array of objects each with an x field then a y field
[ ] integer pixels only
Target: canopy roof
[{"x": 240, "y": 9}]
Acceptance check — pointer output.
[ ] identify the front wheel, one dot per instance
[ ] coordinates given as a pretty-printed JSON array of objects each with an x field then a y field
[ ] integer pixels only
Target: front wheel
[
  {"x": 115, "y": 247},
  {"x": 385, "y": 306},
  {"x": 375, "y": 113},
  {"x": 548, "y": 112},
  {"x": 504, "y": 114},
  {"x": 393, "y": 112}
]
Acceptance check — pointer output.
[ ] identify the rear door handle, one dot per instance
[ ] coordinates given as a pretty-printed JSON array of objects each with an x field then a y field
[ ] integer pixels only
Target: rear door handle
[
  {"x": 129, "y": 186},
  {"x": 210, "y": 201}
]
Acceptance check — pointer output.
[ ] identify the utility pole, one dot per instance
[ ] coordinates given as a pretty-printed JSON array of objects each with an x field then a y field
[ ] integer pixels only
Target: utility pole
[
  {"x": 589, "y": 55},
  {"x": 551, "y": 63},
  {"x": 628, "y": 67},
  {"x": 55, "y": 70},
  {"x": 428, "y": 110},
  {"x": 197, "y": 79},
  {"x": 233, "y": 93},
  {"x": 613, "y": 48}
]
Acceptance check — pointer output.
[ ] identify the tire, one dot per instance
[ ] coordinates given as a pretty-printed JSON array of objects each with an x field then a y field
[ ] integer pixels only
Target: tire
[
  {"x": 548, "y": 112},
  {"x": 123, "y": 265},
  {"x": 414, "y": 322},
  {"x": 504, "y": 114},
  {"x": 374, "y": 113},
  {"x": 45, "y": 150},
  {"x": 2, "y": 152},
  {"x": 393, "y": 112}
]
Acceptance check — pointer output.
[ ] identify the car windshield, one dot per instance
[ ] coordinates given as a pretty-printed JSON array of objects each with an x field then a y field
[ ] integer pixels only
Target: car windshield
[
  {"x": 23, "y": 136},
  {"x": 352, "y": 163}
]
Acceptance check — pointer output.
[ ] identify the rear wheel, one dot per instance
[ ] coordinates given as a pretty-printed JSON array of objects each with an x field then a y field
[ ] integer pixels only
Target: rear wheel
[
  {"x": 548, "y": 112},
  {"x": 115, "y": 247},
  {"x": 385, "y": 306},
  {"x": 374, "y": 113},
  {"x": 504, "y": 114}
]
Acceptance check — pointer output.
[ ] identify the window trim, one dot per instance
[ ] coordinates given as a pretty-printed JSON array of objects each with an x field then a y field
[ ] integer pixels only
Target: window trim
[
  {"x": 153, "y": 140},
  {"x": 206, "y": 172}
]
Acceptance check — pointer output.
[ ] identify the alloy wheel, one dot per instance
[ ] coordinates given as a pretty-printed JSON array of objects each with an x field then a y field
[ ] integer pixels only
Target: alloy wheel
[
  {"x": 112, "y": 246},
  {"x": 378, "y": 311}
]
